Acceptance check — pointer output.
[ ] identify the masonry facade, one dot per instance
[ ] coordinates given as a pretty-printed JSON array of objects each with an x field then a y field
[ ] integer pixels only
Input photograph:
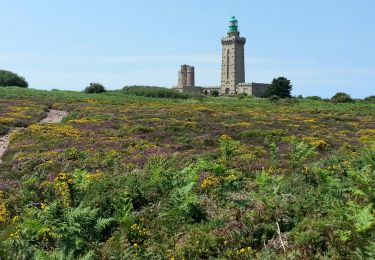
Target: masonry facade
[
  {"x": 186, "y": 76},
  {"x": 232, "y": 69},
  {"x": 232, "y": 60}
]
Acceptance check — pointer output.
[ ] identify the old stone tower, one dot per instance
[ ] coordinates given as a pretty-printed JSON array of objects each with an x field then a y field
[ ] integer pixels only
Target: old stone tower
[
  {"x": 233, "y": 61},
  {"x": 186, "y": 76}
]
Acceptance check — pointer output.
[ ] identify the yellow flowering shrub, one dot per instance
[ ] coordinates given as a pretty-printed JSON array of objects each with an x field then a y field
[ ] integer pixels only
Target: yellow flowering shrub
[
  {"x": 84, "y": 121},
  {"x": 6, "y": 120},
  {"x": 210, "y": 181},
  {"x": 239, "y": 125},
  {"x": 17, "y": 115},
  {"x": 317, "y": 142},
  {"x": 190, "y": 124},
  {"x": 310, "y": 120},
  {"x": 367, "y": 136},
  {"x": 245, "y": 250},
  {"x": 91, "y": 101},
  {"x": 62, "y": 184},
  {"x": 4, "y": 213},
  {"x": 55, "y": 130},
  {"x": 96, "y": 175}
]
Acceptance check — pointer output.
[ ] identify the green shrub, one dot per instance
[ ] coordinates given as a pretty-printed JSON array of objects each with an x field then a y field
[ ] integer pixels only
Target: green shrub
[
  {"x": 291, "y": 101},
  {"x": 242, "y": 95},
  {"x": 11, "y": 79},
  {"x": 198, "y": 244},
  {"x": 159, "y": 92},
  {"x": 75, "y": 229},
  {"x": 313, "y": 98},
  {"x": 274, "y": 98},
  {"x": 341, "y": 97},
  {"x": 95, "y": 88},
  {"x": 3, "y": 130},
  {"x": 369, "y": 99},
  {"x": 138, "y": 129},
  {"x": 214, "y": 93}
]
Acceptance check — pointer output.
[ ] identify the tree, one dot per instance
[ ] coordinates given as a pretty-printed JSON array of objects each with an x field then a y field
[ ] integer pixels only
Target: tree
[
  {"x": 341, "y": 97},
  {"x": 280, "y": 87},
  {"x": 11, "y": 79},
  {"x": 95, "y": 88}
]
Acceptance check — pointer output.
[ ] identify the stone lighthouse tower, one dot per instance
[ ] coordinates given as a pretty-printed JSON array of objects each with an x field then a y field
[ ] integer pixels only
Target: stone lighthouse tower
[{"x": 233, "y": 61}]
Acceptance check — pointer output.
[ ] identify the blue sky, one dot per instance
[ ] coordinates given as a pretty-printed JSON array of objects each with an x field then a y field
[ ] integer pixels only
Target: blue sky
[{"x": 322, "y": 46}]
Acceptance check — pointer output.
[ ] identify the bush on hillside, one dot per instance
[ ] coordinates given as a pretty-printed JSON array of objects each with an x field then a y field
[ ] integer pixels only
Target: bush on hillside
[
  {"x": 369, "y": 99},
  {"x": 314, "y": 98},
  {"x": 215, "y": 93},
  {"x": 95, "y": 88},
  {"x": 3, "y": 130},
  {"x": 159, "y": 92},
  {"x": 11, "y": 79},
  {"x": 341, "y": 97},
  {"x": 291, "y": 101},
  {"x": 274, "y": 98},
  {"x": 280, "y": 87},
  {"x": 242, "y": 95}
]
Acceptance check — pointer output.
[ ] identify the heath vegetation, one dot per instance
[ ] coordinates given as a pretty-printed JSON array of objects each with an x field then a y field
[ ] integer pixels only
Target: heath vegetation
[{"x": 147, "y": 174}]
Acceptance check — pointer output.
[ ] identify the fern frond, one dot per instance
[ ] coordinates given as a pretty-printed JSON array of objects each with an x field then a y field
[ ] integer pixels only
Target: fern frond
[
  {"x": 88, "y": 256},
  {"x": 124, "y": 214},
  {"x": 80, "y": 214},
  {"x": 103, "y": 223}
]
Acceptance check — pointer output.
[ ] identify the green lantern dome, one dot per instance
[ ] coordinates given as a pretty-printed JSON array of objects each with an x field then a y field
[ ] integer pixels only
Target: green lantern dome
[{"x": 233, "y": 24}]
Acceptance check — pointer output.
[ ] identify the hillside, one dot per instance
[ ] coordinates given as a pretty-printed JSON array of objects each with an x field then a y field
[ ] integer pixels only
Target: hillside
[{"x": 132, "y": 177}]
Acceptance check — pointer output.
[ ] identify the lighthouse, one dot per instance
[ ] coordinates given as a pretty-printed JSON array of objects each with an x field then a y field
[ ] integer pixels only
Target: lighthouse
[{"x": 233, "y": 59}]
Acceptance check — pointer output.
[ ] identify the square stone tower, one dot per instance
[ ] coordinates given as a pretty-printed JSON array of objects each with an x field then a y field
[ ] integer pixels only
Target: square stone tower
[
  {"x": 233, "y": 60},
  {"x": 186, "y": 76}
]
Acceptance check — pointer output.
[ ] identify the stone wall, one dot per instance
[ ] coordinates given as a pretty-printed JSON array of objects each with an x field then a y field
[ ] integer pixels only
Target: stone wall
[
  {"x": 252, "y": 89},
  {"x": 259, "y": 89},
  {"x": 192, "y": 89},
  {"x": 208, "y": 90},
  {"x": 245, "y": 88}
]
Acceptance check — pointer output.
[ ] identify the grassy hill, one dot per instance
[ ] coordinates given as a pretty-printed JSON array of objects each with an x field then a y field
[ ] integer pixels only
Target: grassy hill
[{"x": 131, "y": 177}]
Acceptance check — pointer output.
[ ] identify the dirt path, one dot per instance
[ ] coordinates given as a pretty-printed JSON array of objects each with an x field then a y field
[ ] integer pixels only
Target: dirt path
[
  {"x": 4, "y": 142},
  {"x": 53, "y": 117}
]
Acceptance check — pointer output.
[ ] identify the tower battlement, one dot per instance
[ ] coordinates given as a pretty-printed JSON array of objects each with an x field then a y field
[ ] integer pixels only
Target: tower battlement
[{"x": 233, "y": 39}]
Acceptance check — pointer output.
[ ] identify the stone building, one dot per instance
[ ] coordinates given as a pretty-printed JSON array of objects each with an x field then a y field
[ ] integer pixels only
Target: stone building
[
  {"x": 252, "y": 89},
  {"x": 232, "y": 69},
  {"x": 232, "y": 60},
  {"x": 186, "y": 80},
  {"x": 186, "y": 76}
]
